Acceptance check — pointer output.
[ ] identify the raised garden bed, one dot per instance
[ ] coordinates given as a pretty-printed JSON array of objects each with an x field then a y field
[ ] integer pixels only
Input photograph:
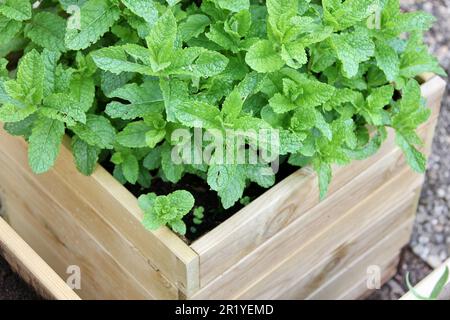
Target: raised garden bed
[
  {"x": 192, "y": 106},
  {"x": 285, "y": 244}
]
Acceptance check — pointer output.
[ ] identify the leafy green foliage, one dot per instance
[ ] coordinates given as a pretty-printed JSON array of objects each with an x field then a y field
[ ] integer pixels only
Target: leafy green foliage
[
  {"x": 168, "y": 210},
  {"x": 121, "y": 76}
]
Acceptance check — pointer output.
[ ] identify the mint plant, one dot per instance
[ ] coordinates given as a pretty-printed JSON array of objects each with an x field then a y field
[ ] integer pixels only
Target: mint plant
[
  {"x": 121, "y": 77},
  {"x": 170, "y": 209}
]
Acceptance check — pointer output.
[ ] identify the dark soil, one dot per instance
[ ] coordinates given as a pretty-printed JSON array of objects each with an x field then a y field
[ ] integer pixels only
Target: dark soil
[
  {"x": 214, "y": 213},
  {"x": 12, "y": 287}
]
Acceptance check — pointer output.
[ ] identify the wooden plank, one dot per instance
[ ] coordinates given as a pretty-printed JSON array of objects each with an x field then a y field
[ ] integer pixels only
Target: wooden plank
[
  {"x": 360, "y": 292},
  {"x": 30, "y": 266},
  {"x": 61, "y": 241},
  {"x": 119, "y": 248},
  {"x": 356, "y": 232},
  {"x": 306, "y": 227},
  {"x": 250, "y": 228},
  {"x": 381, "y": 255},
  {"x": 116, "y": 210},
  {"x": 162, "y": 250}
]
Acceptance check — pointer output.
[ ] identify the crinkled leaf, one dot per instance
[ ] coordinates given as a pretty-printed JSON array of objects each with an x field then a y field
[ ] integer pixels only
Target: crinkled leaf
[
  {"x": 85, "y": 156},
  {"x": 19, "y": 10},
  {"x": 44, "y": 143},
  {"x": 145, "y": 9},
  {"x": 96, "y": 17},
  {"x": 47, "y": 30},
  {"x": 97, "y": 132}
]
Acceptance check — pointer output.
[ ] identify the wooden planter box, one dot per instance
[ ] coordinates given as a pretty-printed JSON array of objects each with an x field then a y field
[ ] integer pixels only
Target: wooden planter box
[{"x": 286, "y": 244}]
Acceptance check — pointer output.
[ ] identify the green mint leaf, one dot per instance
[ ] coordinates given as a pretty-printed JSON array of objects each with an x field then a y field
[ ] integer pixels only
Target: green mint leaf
[
  {"x": 193, "y": 26},
  {"x": 352, "y": 48},
  {"x": 44, "y": 143},
  {"x": 324, "y": 173},
  {"x": 387, "y": 60},
  {"x": 172, "y": 2},
  {"x": 96, "y": 18},
  {"x": 134, "y": 135},
  {"x": 9, "y": 29},
  {"x": 61, "y": 107},
  {"x": 294, "y": 54},
  {"x": 196, "y": 114},
  {"x": 218, "y": 35},
  {"x": 115, "y": 60},
  {"x": 349, "y": 13},
  {"x": 172, "y": 171},
  {"x": 97, "y": 132},
  {"x": 82, "y": 91},
  {"x": 178, "y": 226},
  {"x": 175, "y": 93},
  {"x": 50, "y": 61},
  {"x": 416, "y": 59},
  {"x": 130, "y": 168},
  {"x": 30, "y": 77},
  {"x": 85, "y": 156},
  {"x": 19, "y": 10},
  {"x": 21, "y": 128},
  {"x": 396, "y": 22},
  {"x": 170, "y": 209},
  {"x": 47, "y": 30},
  {"x": 209, "y": 64},
  {"x": 161, "y": 41},
  {"x": 232, "y": 106},
  {"x": 228, "y": 181},
  {"x": 415, "y": 159},
  {"x": 144, "y": 99},
  {"x": 234, "y": 5},
  {"x": 152, "y": 160}
]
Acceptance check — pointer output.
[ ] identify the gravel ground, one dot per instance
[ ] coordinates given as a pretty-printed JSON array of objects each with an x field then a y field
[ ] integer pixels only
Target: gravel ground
[
  {"x": 431, "y": 238},
  {"x": 396, "y": 287},
  {"x": 430, "y": 244}
]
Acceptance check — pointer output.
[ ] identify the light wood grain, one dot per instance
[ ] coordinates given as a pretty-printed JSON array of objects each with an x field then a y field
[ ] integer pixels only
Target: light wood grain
[
  {"x": 62, "y": 241},
  {"x": 157, "y": 258},
  {"x": 95, "y": 222},
  {"x": 380, "y": 255},
  {"x": 316, "y": 220},
  {"x": 113, "y": 242},
  {"x": 31, "y": 267},
  {"x": 355, "y": 233}
]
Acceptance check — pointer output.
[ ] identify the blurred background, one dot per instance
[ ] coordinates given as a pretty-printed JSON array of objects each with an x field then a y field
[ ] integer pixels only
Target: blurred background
[{"x": 430, "y": 244}]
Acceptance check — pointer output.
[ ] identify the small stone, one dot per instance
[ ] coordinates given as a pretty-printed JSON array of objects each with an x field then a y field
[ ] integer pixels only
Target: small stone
[
  {"x": 441, "y": 193},
  {"x": 439, "y": 238},
  {"x": 424, "y": 239},
  {"x": 434, "y": 261}
]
